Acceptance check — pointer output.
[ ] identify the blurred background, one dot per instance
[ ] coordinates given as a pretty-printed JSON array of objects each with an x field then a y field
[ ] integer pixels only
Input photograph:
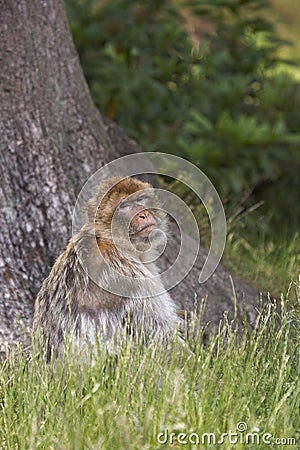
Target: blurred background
[{"x": 216, "y": 82}]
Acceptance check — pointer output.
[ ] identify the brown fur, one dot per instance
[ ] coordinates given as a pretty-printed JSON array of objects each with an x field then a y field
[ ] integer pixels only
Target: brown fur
[{"x": 72, "y": 305}]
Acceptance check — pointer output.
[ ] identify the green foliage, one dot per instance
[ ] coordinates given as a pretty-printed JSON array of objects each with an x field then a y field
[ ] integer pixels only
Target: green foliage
[
  {"x": 227, "y": 105},
  {"x": 261, "y": 261},
  {"x": 245, "y": 134},
  {"x": 124, "y": 403},
  {"x": 134, "y": 55}
]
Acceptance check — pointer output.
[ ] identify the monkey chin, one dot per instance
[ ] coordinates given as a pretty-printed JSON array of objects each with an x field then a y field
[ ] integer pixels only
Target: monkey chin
[{"x": 150, "y": 238}]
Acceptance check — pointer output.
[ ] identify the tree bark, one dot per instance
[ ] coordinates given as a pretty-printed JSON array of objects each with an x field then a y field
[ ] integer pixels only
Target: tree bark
[{"x": 52, "y": 139}]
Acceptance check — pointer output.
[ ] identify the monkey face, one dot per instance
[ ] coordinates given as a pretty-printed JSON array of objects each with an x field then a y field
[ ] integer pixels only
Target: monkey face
[
  {"x": 128, "y": 213},
  {"x": 139, "y": 212}
]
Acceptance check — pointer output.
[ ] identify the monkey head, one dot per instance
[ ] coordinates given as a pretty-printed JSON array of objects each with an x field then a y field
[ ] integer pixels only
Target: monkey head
[{"x": 127, "y": 212}]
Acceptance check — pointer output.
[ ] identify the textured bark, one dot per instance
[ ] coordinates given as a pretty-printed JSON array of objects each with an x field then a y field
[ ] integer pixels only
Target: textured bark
[{"x": 52, "y": 139}]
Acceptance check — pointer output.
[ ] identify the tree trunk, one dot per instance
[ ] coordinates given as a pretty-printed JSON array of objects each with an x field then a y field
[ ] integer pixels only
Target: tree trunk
[{"x": 52, "y": 139}]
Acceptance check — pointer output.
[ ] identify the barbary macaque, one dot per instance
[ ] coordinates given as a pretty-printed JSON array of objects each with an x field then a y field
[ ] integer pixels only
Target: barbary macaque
[{"x": 105, "y": 286}]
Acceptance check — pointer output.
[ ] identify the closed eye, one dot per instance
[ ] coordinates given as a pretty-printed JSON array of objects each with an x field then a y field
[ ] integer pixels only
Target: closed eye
[
  {"x": 139, "y": 201},
  {"x": 142, "y": 201},
  {"x": 124, "y": 205}
]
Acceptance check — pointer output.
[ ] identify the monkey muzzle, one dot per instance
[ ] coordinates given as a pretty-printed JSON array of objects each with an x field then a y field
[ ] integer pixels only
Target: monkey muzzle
[{"x": 143, "y": 224}]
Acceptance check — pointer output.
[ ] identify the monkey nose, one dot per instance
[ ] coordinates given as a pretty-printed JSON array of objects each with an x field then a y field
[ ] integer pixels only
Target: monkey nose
[
  {"x": 143, "y": 215},
  {"x": 146, "y": 218}
]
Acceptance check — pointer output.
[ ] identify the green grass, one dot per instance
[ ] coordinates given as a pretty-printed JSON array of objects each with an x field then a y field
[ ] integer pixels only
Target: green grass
[
  {"x": 269, "y": 264},
  {"x": 125, "y": 404}
]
